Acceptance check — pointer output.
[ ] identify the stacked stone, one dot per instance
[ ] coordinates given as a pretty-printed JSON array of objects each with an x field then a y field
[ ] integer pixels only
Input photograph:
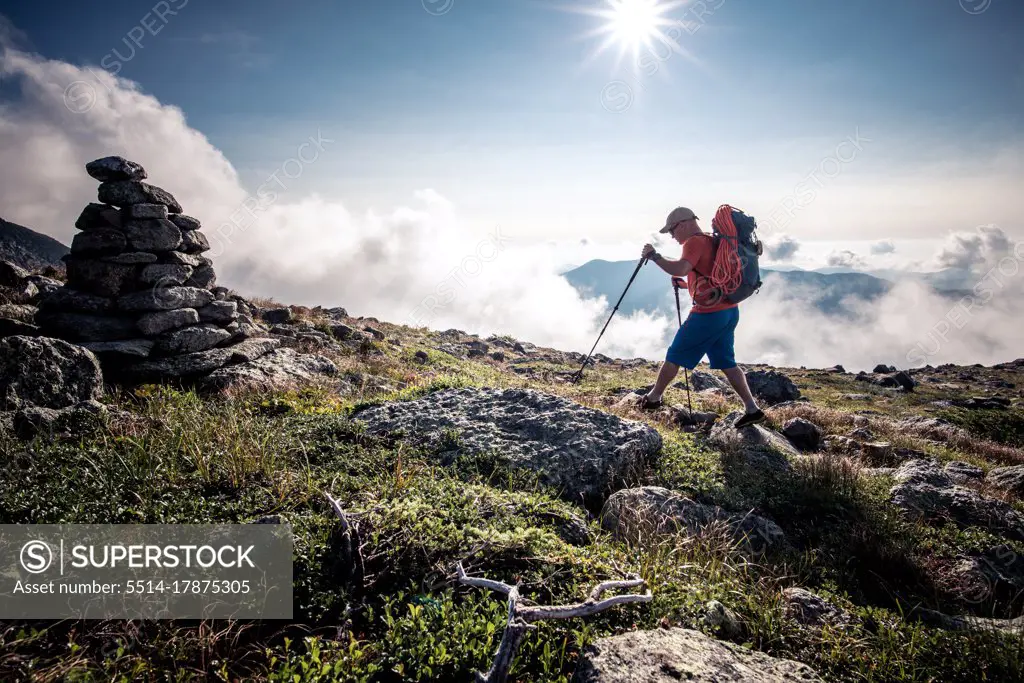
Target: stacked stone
[{"x": 140, "y": 294}]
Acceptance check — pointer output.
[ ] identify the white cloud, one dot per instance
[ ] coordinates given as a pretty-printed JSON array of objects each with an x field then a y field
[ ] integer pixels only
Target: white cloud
[
  {"x": 883, "y": 247},
  {"x": 845, "y": 259},
  {"x": 781, "y": 248}
]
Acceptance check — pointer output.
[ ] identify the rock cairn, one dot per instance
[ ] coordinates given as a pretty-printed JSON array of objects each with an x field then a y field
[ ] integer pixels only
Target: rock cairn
[{"x": 140, "y": 294}]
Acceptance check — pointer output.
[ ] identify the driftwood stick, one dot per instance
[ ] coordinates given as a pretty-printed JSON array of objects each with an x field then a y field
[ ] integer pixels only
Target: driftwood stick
[{"x": 520, "y": 617}]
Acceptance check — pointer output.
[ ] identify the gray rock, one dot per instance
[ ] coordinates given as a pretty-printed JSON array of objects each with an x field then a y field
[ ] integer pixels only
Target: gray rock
[
  {"x": 803, "y": 434},
  {"x": 475, "y": 348},
  {"x": 32, "y": 422},
  {"x": 856, "y": 397},
  {"x": 276, "y": 316},
  {"x": 884, "y": 369},
  {"x": 72, "y": 300},
  {"x": 194, "y": 242},
  {"x": 878, "y": 454},
  {"x": 276, "y": 369},
  {"x": 203, "y": 278},
  {"x": 723, "y": 621},
  {"x": 100, "y": 277},
  {"x": 760, "y": 447},
  {"x": 165, "y": 274},
  {"x": 378, "y": 335},
  {"x": 45, "y": 285},
  {"x": 810, "y": 609},
  {"x": 48, "y": 373},
  {"x": 95, "y": 216},
  {"x": 772, "y": 387},
  {"x": 498, "y": 356},
  {"x": 131, "y": 258},
  {"x": 153, "y": 324},
  {"x": 192, "y": 364},
  {"x": 219, "y": 312},
  {"x": 962, "y": 472},
  {"x": 136, "y": 211},
  {"x": 952, "y": 622},
  {"x": 635, "y": 515},
  {"x": 421, "y": 356},
  {"x": 115, "y": 168},
  {"x": 702, "y": 381},
  {"x": 99, "y": 242},
  {"x": 1010, "y": 479},
  {"x": 341, "y": 331},
  {"x": 185, "y": 223},
  {"x": 135, "y": 348},
  {"x": 126, "y": 192},
  {"x": 85, "y": 327},
  {"x": 577, "y": 450},
  {"x": 676, "y": 654},
  {"x": 153, "y": 235},
  {"x": 995, "y": 574},
  {"x": 12, "y": 275},
  {"x": 183, "y": 259},
  {"x": 20, "y": 312},
  {"x": 16, "y": 328},
  {"x": 926, "y": 492},
  {"x": 191, "y": 339},
  {"x": 165, "y": 299}
]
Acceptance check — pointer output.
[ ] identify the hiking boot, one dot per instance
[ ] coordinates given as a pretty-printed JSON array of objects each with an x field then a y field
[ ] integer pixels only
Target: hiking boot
[
  {"x": 749, "y": 419},
  {"x": 644, "y": 403}
]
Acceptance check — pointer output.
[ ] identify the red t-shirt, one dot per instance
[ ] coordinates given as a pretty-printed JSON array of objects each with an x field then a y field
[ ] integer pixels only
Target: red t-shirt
[{"x": 699, "y": 251}]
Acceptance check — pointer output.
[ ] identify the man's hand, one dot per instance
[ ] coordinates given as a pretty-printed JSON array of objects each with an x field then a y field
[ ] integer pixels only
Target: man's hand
[{"x": 649, "y": 252}]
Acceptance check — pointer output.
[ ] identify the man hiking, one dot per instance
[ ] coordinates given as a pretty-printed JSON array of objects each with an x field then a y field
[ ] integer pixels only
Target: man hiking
[{"x": 710, "y": 326}]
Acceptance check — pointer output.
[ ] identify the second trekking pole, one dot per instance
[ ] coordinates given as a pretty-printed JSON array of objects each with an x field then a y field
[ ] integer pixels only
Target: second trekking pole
[{"x": 579, "y": 373}]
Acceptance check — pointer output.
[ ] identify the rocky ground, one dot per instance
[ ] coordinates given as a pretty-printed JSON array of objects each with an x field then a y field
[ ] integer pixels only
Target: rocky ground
[{"x": 872, "y": 530}]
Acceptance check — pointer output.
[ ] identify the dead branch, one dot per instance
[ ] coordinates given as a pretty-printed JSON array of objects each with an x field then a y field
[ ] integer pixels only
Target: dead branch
[{"x": 520, "y": 617}]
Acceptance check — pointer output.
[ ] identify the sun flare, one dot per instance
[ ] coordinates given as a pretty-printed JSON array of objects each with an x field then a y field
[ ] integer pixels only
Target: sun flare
[{"x": 632, "y": 25}]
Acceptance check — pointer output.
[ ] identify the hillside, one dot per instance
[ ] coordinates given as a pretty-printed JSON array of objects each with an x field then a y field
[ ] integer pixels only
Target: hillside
[
  {"x": 29, "y": 249},
  {"x": 868, "y": 532}
]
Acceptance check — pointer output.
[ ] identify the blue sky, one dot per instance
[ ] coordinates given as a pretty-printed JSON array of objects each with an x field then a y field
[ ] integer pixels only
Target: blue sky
[{"x": 497, "y": 105}]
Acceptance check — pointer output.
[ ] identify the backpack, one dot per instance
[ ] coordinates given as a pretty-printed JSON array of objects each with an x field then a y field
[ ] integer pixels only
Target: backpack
[{"x": 739, "y": 260}]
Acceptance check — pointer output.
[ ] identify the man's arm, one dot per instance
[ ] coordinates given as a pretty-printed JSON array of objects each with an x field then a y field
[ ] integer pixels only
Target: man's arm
[{"x": 680, "y": 268}]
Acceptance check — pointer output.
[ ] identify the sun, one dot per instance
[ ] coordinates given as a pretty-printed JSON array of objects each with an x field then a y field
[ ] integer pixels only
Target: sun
[{"x": 633, "y": 24}]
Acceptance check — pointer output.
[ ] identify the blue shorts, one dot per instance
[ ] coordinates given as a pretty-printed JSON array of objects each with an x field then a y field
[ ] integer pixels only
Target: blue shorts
[{"x": 706, "y": 333}]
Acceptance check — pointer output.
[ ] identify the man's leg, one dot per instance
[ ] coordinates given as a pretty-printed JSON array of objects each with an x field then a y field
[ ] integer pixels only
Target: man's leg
[
  {"x": 738, "y": 379},
  {"x": 667, "y": 373},
  {"x": 723, "y": 357}
]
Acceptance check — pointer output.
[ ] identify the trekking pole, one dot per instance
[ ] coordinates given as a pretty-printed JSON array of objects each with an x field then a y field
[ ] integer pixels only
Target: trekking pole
[
  {"x": 679, "y": 315},
  {"x": 579, "y": 373}
]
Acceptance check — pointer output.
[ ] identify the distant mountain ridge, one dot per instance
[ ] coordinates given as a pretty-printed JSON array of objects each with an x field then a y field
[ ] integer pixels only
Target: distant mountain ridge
[
  {"x": 651, "y": 292},
  {"x": 29, "y": 249}
]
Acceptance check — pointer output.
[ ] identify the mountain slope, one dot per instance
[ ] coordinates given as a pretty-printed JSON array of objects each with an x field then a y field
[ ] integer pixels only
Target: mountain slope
[{"x": 29, "y": 249}]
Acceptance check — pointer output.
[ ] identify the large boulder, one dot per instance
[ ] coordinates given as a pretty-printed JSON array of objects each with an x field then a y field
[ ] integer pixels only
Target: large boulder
[
  {"x": 31, "y": 422},
  {"x": 191, "y": 365},
  {"x": 12, "y": 275},
  {"x": 924, "y": 491},
  {"x": 277, "y": 369},
  {"x": 48, "y": 373},
  {"x": 575, "y": 449},
  {"x": 759, "y": 447},
  {"x": 772, "y": 387},
  {"x": 676, "y": 654},
  {"x": 634, "y": 515}
]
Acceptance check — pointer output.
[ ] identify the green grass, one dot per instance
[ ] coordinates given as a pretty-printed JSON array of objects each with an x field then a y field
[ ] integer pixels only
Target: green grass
[{"x": 184, "y": 459}]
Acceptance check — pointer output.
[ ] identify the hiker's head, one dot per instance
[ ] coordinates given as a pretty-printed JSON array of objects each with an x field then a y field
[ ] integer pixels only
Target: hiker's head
[{"x": 681, "y": 224}]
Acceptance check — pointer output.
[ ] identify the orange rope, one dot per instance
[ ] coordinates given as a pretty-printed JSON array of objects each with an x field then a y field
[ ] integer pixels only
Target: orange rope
[{"x": 727, "y": 273}]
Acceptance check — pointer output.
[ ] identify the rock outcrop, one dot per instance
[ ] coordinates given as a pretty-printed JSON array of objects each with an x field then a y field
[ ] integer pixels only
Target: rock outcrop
[
  {"x": 634, "y": 515},
  {"x": 577, "y": 450},
  {"x": 140, "y": 294},
  {"x": 772, "y": 387},
  {"x": 925, "y": 491},
  {"x": 676, "y": 654}
]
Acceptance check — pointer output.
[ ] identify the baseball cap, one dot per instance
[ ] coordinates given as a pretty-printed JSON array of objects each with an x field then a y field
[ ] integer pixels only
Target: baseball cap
[{"x": 677, "y": 215}]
